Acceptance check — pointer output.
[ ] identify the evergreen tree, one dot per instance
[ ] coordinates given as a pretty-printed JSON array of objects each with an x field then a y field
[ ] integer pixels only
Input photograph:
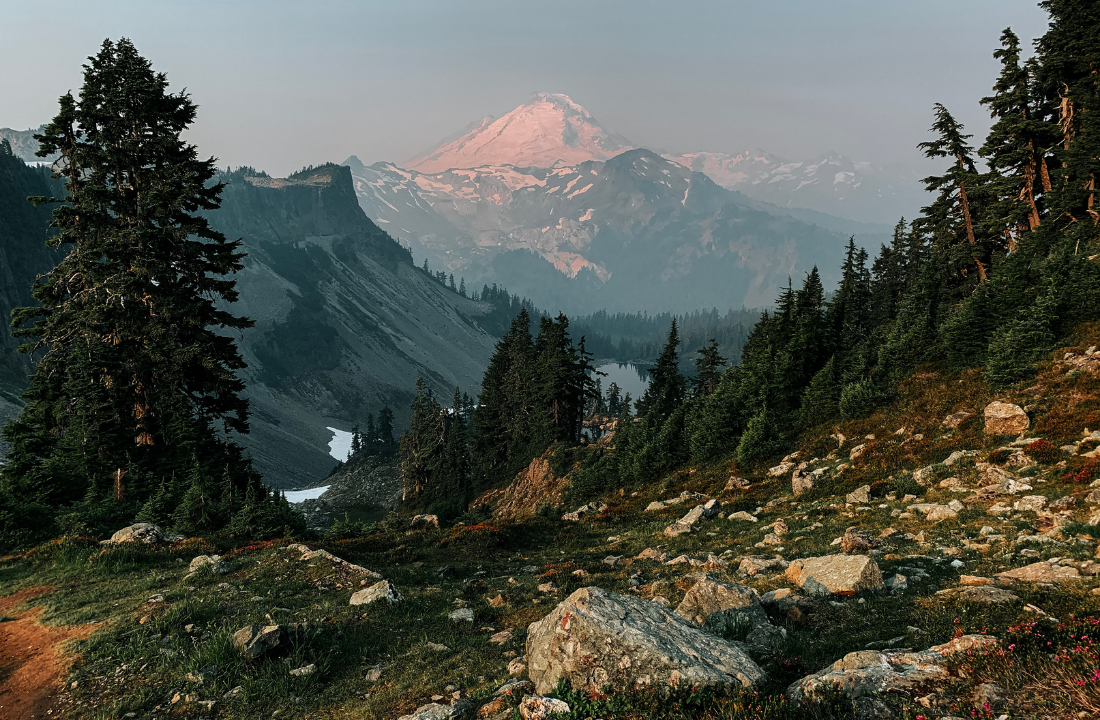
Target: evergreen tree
[
  {"x": 137, "y": 367},
  {"x": 950, "y": 221},
  {"x": 708, "y": 368},
  {"x": 385, "y": 442},
  {"x": 422, "y": 444},
  {"x": 667, "y": 388},
  {"x": 1015, "y": 349},
  {"x": 370, "y": 443},
  {"x": 1013, "y": 149},
  {"x": 356, "y": 442}
]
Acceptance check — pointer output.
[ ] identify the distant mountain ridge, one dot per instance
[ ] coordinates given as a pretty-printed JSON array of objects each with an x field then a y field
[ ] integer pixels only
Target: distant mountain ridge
[
  {"x": 552, "y": 130},
  {"x": 637, "y": 232}
]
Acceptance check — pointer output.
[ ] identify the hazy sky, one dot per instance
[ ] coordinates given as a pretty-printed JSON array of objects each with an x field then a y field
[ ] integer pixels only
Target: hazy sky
[{"x": 285, "y": 84}]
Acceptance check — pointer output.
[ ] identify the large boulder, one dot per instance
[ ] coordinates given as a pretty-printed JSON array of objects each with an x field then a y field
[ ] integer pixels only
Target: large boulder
[
  {"x": 595, "y": 638},
  {"x": 717, "y": 607},
  {"x": 872, "y": 672},
  {"x": 1005, "y": 419},
  {"x": 147, "y": 533},
  {"x": 836, "y": 574}
]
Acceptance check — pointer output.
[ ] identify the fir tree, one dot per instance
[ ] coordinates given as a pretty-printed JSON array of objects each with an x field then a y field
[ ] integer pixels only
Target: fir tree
[
  {"x": 708, "y": 368},
  {"x": 667, "y": 388},
  {"x": 1015, "y": 349},
  {"x": 137, "y": 367},
  {"x": 387, "y": 445}
]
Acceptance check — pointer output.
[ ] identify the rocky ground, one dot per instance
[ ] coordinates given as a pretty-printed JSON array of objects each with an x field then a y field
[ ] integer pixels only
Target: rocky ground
[
  {"x": 363, "y": 489},
  {"x": 936, "y": 560}
]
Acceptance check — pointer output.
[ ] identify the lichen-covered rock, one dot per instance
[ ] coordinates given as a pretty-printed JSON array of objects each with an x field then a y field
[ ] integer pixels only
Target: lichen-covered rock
[
  {"x": 537, "y": 707},
  {"x": 424, "y": 521},
  {"x": 855, "y": 541},
  {"x": 255, "y": 640},
  {"x": 595, "y": 639},
  {"x": 1005, "y": 419},
  {"x": 213, "y": 562},
  {"x": 435, "y": 711},
  {"x": 383, "y": 590},
  {"x": 801, "y": 481},
  {"x": 707, "y": 601},
  {"x": 838, "y": 574},
  {"x": 686, "y": 524},
  {"x": 781, "y": 469},
  {"x": 717, "y": 606},
  {"x": 868, "y": 673},
  {"x": 754, "y": 565},
  {"x": 859, "y": 496},
  {"x": 1041, "y": 572},
  {"x": 344, "y": 565},
  {"x": 1033, "y": 503},
  {"x": 147, "y": 533}
]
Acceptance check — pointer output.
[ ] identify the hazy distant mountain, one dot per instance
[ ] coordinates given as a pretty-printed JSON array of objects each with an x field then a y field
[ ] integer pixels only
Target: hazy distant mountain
[
  {"x": 23, "y": 144},
  {"x": 831, "y": 183},
  {"x": 344, "y": 323},
  {"x": 637, "y": 232},
  {"x": 552, "y": 130},
  {"x": 545, "y": 130}
]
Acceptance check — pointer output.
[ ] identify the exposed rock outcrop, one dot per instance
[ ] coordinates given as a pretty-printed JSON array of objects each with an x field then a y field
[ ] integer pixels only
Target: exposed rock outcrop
[
  {"x": 595, "y": 639},
  {"x": 836, "y": 574}
]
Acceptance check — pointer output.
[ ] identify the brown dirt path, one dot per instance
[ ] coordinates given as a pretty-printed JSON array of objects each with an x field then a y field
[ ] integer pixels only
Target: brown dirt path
[{"x": 32, "y": 661}]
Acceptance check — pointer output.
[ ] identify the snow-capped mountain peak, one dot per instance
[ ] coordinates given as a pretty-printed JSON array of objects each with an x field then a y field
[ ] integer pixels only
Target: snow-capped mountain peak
[{"x": 547, "y": 130}]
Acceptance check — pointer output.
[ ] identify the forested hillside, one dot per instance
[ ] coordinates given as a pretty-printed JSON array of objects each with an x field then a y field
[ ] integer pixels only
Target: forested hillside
[{"x": 1002, "y": 263}]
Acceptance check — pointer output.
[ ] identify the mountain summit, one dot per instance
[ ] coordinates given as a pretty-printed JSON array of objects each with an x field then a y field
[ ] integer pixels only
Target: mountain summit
[{"x": 547, "y": 129}]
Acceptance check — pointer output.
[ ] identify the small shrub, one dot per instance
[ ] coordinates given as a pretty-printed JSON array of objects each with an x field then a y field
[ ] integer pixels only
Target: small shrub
[
  {"x": 1087, "y": 474},
  {"x": 345, "y": 528},
  {"x": 476, "y": 536},
  {"x": 999, "y": 457},
  {"x": 859, "y": 399},
  {"x": 1043, "y": 451},
  {"x": 906, "y": 485}
]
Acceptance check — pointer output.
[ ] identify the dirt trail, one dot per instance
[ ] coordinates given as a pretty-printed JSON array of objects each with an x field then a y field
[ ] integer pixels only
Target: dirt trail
[{"x": 32, "y": 662}]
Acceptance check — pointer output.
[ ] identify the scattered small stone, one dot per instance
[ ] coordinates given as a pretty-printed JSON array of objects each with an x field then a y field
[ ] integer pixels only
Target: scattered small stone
[
  {"x": 303, "y": 671},
  {"x": 461, "y": 615},
  {"x": 537, "y": 707}
]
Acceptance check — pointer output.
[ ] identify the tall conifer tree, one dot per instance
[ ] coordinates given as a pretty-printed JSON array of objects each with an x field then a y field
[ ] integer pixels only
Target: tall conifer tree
[{"x": 137, "y": 372}]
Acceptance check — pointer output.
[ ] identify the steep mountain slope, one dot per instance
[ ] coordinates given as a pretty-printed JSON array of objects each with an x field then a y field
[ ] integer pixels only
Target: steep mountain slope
[
  {"x": 23, "y": 144},
  {"x": 638, "y": 232},
  {"x": 547, "y": 129},
  {"x": 23, "y": 255},
  {"x": 344, "y": 323}
]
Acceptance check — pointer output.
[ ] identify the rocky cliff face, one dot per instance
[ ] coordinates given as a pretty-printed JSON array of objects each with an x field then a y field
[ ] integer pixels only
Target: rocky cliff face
[{"x": 344, "y": 323}]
